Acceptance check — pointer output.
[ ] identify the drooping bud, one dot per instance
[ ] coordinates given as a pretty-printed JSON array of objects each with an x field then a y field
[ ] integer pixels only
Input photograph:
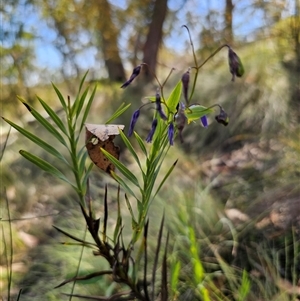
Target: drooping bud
[
  {"x": 222, "y": 117},
  {"x": 185, "y": 79},
  {"x": 158, "y": 106},
  {"x": 135, "y": 73},
  {"x": 152, "y": 131},
  {"x": 171, "y": 133},
  {"x": 204, "y": 121},
  {"x": 235, "y": 64},
  {"x": 180, "y": 120},
  {"x": 133, "y": 121}
]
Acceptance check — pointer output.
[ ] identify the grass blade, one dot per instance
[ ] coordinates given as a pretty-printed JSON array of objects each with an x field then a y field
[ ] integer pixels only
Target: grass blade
[
  {"x": 164, "y": 275},
  {"x": 156, "y": 256},
  {"x": 145, "y": 260}
]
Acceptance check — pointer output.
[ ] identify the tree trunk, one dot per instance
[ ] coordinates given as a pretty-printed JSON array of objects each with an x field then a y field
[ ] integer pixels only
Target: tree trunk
[
  {"x": 109, "y": 42},
  {"x": 228, "y": 32},
  {"x": 154, "y": 37}
]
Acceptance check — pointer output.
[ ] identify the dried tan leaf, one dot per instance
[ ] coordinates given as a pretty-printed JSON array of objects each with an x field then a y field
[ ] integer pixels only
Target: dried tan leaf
[{"x": 101, "y": 135}]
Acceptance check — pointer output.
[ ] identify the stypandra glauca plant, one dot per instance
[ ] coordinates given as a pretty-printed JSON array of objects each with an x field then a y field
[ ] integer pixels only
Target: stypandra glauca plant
[{"x": 127, "y": 261}]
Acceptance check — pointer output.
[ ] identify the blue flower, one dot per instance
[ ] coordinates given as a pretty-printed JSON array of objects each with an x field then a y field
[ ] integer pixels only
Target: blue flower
[
  {"x": 235, "y": 64},
  {"x": 135, "y": 73},
  {"x": 185, "y": 79},
  {"x": 222, "y": 117},
  {"x": 171, "y": 133},
  {"x": 159, "y": 108},
  {"x": 133, "y": 121},
  {"x": 204, "y": 121},
  {"x": 150, "y": 135}
]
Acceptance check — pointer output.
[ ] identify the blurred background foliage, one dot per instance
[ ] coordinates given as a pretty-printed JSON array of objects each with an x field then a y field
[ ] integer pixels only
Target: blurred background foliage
[{"x": 245, "y": 175}]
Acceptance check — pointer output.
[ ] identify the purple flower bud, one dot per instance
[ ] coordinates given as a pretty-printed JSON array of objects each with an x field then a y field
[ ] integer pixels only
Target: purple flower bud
[
  {"x": 235, "y": 64},
  {"x": 133, "y": 121},
  {"x": 159, "y": 108},
  {"x": 171, "y": 133},
  {"x": 151, "y": 133},
  {"x": 204, "y": 121},
  {"x": 222, "y": 117},
  {"x": 135, "y": 73},
  {"x": 185, "y": 83}
]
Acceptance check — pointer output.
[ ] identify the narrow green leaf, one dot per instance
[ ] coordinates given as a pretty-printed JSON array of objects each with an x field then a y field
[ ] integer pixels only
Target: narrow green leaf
[
  {"x": 133, "y": 221},
  {"x": 131, "y": 149},
  {"x": 54, "y": 116},
  {"x": 118, "y": 112},
  {"x": 84, "y": 180},
  {"x": 44, "y": 165},
  {"x": 123, "y": 184},
  {"x": 174, "y": 97},
  {"x": 87, "y": 108},
  {"x": 44, "y": 122},
  {"x": 141, "y": 143},
  {"x": 61, "y": 98},
  {"x": 175, "y": 269},
  {"x": 121, "y": 167},
  {"x": 82, "y": 161},
  {"x": 119, "y": 219},
  {"x": 50, "y": 149},
  {"x": 165, "y": 178},
  {"x": 82, "y": 81},
  {"x": 80, "y": 102}
]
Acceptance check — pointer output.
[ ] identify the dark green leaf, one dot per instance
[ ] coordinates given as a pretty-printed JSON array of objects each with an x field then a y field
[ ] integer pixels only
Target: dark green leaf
[{"x": 133, "y": 221}]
